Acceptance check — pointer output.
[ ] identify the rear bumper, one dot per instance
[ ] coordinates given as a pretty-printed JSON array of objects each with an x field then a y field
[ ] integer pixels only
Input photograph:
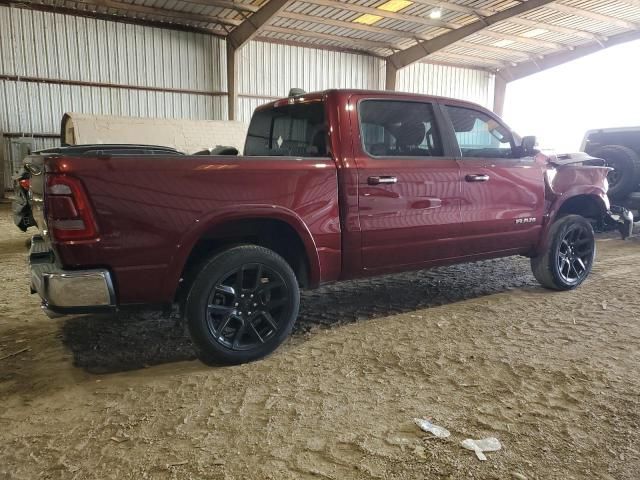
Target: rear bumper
[{"x": 66, "y": 292}]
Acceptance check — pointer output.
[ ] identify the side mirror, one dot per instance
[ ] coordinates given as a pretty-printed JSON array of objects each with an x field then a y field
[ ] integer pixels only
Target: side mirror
[{"x": 528, "y": 146}]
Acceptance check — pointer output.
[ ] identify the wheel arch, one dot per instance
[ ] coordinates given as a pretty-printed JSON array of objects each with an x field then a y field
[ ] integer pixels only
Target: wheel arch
[
  {"x": 590, "y": 203},
  {"x": 276, "y": 228}
]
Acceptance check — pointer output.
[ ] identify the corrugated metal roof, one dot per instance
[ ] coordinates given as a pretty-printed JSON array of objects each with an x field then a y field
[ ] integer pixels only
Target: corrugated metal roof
[{"x": 554, "y": 27}]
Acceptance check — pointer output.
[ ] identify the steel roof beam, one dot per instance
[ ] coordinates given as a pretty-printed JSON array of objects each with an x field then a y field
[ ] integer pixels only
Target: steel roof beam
[
  {"x": 239, "y": 7},
  {"x": 161, "y": 12},
  {"x": 361, "y": 42},
  {"x": 352, "y": 7},
  {"x": 593, "y": 16},
  {"x": 349, "y": 25},
  {"x": 520, "y": 39},
  {"x": 416, "y": 19},
  {"x": 486, "y": 12},
  {"x": 249, "y": 28},
  {"x": 406, "y": 34},
  {"x": 423, "y": 49}
]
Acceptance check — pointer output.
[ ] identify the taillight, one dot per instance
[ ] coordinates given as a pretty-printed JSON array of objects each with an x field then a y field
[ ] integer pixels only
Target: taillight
[
  {"x": 69, "y": 214},
  {"x": 25, "y": 183}
]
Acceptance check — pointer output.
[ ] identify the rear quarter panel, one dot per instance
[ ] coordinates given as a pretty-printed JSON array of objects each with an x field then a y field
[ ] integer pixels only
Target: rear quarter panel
[{"x": 152, "y": 210}]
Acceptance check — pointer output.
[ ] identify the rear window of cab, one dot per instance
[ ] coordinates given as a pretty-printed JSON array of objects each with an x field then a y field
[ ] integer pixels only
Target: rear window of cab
[{"x": 294, "y": 130}]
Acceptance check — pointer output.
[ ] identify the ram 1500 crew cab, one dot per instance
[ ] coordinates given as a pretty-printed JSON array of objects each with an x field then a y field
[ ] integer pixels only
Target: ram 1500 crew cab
[{"x": 332, "y": 186}]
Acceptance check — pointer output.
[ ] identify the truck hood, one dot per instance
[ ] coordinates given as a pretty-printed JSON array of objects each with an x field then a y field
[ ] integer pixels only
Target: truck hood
[{"x": 561, "y": 159}]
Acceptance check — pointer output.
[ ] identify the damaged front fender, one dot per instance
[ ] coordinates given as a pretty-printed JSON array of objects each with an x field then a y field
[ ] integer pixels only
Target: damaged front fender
[{"x": 572, "y": 176}]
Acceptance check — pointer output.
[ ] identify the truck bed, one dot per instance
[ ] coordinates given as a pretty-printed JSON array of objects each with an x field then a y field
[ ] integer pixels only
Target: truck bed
[{"x": 152, "y": 209}]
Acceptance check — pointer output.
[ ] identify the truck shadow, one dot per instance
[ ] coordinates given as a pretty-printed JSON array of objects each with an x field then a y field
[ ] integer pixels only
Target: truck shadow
[{"x": 106, "y": 345}]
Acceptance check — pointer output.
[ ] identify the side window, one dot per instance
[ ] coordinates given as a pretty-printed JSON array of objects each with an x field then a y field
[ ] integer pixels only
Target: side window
[
  {"x": 479, "y": 135},
  {"x": 399, "y": 129},
  {"x": 291, "y": 130}
]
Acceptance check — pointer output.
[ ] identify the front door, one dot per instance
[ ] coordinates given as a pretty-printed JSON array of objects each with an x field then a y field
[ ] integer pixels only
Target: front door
[
  {"x": 408, "y": 188},
  {"x": 502, "y": 195}
]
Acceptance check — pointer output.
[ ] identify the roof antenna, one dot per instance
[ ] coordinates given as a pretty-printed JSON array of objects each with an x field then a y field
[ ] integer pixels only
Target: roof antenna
[{"x": 296, "y": 92}]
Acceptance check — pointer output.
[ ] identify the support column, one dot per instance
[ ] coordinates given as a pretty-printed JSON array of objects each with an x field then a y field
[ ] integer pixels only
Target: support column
[
  {"x": 499, "y": 94},
  {"x": 391, "y": 77},
  {"x": 2, "y": 167},
  {"x": 232, "y": 81}
]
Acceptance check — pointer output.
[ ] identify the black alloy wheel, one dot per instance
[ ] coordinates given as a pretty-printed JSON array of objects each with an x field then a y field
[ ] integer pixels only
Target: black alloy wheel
[
  {"x": 246, "y": 306},
  {"x": 575, "y": 254},
  {"x": 242, "y": 305},
  {"x": 567, "y": 255}
]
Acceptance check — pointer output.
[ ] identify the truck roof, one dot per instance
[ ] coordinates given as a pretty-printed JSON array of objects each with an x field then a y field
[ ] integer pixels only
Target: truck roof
[{"x": 347, "y": 92}]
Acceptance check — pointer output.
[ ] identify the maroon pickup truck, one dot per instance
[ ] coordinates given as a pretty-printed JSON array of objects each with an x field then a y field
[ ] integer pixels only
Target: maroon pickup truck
[{"x": 332, "y": 186}]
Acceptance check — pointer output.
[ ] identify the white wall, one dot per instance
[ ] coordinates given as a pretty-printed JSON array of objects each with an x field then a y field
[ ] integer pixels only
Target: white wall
[
  {"x": 52, "y": 63},
  {"x": 50, "y": 46},
  {"x": 268, "y": 70},
  {"x": 445, "y": 81}
]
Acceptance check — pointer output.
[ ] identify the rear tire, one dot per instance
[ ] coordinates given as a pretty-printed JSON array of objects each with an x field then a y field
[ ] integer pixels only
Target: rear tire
[
  {"x": 570, "y": 254},
  {"x": 242, "y": 305},
  {"x": 625, "y": 176}
]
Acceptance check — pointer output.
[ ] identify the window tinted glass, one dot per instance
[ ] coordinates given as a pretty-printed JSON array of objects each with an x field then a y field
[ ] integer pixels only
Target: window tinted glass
[
  {"x": 291, "y": 130},
  {"x": 479, "y": 135},
  {"x": 399, "y": 129}
]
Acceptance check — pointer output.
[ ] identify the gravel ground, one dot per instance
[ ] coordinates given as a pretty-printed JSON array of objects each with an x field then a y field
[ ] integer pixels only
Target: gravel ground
[{"x": 479, "y": 348}]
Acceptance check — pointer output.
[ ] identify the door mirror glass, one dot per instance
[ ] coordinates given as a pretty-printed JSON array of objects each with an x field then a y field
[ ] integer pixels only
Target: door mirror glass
[{"x": 528, "y": 146}]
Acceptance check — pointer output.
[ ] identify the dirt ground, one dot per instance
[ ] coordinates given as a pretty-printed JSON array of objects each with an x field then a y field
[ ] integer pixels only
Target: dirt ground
[{"x": 480, "y": 348}]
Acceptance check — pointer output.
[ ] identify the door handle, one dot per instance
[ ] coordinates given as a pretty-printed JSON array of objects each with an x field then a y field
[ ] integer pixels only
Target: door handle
[
  {"x": 477, "y": 178},
  {"x": 381, "y": 180}
]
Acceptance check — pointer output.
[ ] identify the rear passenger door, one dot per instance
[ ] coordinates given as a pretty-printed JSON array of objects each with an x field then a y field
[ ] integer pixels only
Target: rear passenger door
[
  {"x": 502, "y": 194},
  {"x": 408, "y": 184}
]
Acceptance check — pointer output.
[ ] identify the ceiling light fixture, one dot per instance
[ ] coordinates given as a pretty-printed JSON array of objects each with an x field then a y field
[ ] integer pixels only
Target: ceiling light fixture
[
  {"x": 394, "y": 5},
  {"x": 390, "y": 6},
  {"x": 367, "y": 19},
  {"x": 435, "y": 14}
]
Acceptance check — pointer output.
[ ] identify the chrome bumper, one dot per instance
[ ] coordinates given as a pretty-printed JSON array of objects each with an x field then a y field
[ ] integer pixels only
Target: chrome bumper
[{"x": 68, "y": 291}]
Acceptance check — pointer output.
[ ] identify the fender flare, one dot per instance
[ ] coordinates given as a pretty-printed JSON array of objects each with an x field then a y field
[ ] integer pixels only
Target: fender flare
[{"x": 210, "y": 221}]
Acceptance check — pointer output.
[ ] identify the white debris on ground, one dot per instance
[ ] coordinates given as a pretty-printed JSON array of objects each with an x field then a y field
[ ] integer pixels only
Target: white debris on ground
[
  {"x": 429, "y": 427},
  {"x": 490, "y": 444}
]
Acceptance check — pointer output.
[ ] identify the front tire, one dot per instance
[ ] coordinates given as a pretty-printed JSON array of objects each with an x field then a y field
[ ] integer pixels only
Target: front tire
[
  {"x": 569, "y": 256},
  {"x": 242, "y": 305}
]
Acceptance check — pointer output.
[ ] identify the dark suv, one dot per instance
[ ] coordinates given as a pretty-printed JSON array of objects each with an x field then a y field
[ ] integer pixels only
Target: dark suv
[{"x": 620, "y": 148}]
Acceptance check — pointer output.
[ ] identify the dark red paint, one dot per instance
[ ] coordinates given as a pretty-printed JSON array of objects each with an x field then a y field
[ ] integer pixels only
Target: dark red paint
[{"x": 151, "y": 211}]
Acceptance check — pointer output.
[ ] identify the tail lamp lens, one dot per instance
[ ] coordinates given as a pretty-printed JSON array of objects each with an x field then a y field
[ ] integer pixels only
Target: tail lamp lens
[
  {"x": 25, "y": 183},
  {"x": 69, "y": 213}
]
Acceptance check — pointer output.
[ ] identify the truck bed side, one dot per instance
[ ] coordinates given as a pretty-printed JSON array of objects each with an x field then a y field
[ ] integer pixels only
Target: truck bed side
[{"x": 152, "y": 210}]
